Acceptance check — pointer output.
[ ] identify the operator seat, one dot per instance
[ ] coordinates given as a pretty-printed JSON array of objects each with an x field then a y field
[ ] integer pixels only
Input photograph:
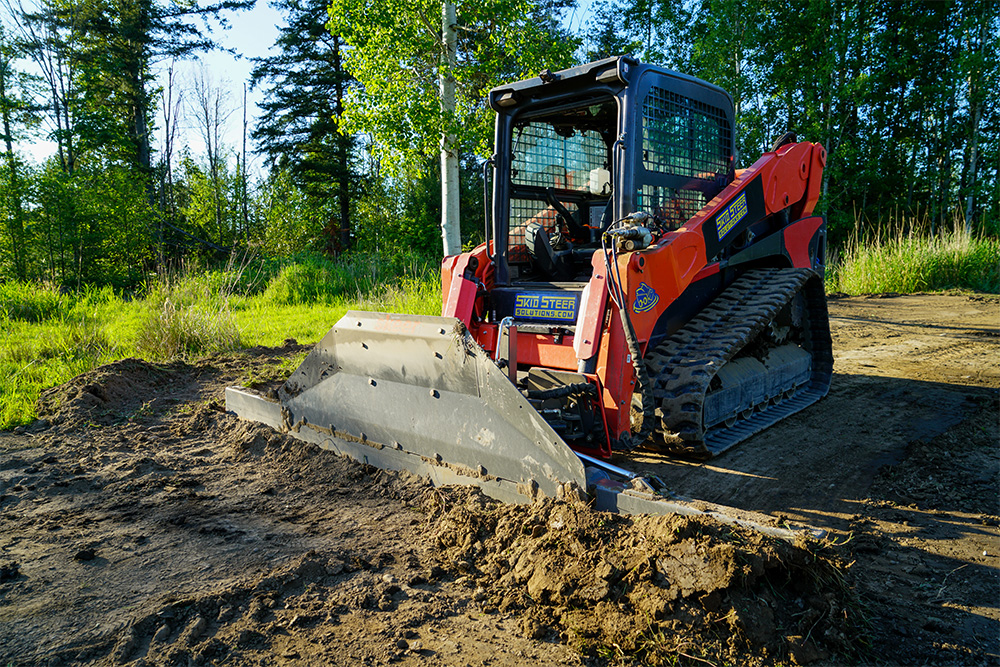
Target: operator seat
[{"x": 543, "y": 257}]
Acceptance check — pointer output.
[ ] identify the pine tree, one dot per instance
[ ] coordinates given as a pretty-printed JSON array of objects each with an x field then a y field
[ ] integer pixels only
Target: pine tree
[{"x": 304, "y": 91}]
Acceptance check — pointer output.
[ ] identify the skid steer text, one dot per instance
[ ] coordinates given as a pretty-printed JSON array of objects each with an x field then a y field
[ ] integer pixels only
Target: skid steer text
[{"x": 545, "y": 307}]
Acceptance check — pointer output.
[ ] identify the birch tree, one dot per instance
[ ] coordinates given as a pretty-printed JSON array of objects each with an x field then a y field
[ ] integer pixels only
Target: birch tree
[{"x": 412, "y": 57}]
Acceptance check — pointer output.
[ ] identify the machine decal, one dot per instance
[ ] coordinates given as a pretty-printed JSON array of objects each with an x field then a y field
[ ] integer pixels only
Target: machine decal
[
  {"x": 645, "y": 298},
  {"x": 732, "y": 215},
  {"x": 540, "y": 306}
]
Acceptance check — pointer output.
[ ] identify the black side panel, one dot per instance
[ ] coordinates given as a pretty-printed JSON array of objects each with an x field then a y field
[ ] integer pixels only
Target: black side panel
[
  {"x": 537, "y": 304},
  {"x": 726, "y": 225}
]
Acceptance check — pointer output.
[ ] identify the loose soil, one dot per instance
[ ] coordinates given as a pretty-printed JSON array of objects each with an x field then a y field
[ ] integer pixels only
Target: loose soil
[{"x": 142, "y": 525}]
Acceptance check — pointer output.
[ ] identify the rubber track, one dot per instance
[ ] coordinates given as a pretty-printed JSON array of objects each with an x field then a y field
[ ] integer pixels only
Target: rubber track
[{"x": 683, "y": 365}]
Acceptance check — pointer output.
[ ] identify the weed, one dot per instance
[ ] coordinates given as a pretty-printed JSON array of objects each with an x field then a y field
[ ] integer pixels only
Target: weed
[
  {"x": 186, "y": 332},
  {"x": 909, "y": 259}
]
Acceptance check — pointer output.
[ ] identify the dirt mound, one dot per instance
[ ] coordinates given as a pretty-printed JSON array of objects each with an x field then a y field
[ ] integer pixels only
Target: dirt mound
[
  {"x": 656, "y": 588},
  {"x": 107, "y": 393}
]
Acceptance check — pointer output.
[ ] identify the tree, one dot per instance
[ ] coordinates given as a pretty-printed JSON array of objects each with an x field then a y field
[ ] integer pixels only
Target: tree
[
  {"x": 18, "y": 116},
  {"x": 401, "y": 53},
  {"x": 98, "y": 58},
  {"x": 981, "y": 69},
  {"x": 304, "y": 92},
  {"x": 131, "y": 35},
  {"x": 211, "y": 109}
]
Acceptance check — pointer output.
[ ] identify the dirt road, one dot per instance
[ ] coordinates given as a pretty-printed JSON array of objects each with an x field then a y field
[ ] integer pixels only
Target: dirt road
[{"x": 140, "y": 524}]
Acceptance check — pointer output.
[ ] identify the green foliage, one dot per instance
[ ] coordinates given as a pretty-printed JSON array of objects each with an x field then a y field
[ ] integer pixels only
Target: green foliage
[
  {"x": 30, "y": 302},
  {"x": 208, "y": 203},
  {"x": 88, "y": 227},
  {"x": 915, "y": 132},
  {"x": 401, "y": 214},
  {"x": 418, "y": 293},
  {"x": 917, "y": 262},
  {"x": 292, "y": 221},
  {"x": 396, "y": 55}
]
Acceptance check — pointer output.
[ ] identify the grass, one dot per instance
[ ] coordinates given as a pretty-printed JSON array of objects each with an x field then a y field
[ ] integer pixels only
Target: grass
[
  {"x": 49, "y": 336},
  {"x": 912, "y": 260}
]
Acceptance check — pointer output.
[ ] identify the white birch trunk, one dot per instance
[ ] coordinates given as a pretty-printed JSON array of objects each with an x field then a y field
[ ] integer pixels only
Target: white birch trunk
[{"x": 451, "y": 235}]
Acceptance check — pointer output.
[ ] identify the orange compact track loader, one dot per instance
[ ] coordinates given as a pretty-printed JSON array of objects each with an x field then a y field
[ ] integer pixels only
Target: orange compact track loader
[{"x": 635, "y": 290}]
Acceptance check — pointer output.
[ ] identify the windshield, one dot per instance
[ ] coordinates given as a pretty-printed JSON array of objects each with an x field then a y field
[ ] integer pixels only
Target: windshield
[{"x": 560, "y": 160}]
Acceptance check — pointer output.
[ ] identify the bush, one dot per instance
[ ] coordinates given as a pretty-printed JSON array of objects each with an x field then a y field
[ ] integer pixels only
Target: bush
[
  {"x": 188, "y": 318},
  {"x": 310, "y": 280},
  {"x": 187, "y": 332}
]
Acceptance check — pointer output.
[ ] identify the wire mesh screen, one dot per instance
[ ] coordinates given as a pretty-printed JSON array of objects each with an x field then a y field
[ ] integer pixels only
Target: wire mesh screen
[
  {"x": 669, "y": 204},
  {"x": 684, "y": 137},
  {"x": 522, "y": 213},
  {"x": 545, "y": 159}
]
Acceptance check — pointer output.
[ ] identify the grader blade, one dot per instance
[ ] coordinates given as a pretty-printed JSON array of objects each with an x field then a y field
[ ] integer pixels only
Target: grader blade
[{"x": 423, "y": 386}]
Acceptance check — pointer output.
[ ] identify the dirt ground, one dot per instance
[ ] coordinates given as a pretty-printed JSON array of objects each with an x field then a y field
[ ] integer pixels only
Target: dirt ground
[{"x": 140, "y": 524}]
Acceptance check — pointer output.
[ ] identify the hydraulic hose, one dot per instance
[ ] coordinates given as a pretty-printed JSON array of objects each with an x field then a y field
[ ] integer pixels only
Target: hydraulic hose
[{"x": 642, "y": 377}]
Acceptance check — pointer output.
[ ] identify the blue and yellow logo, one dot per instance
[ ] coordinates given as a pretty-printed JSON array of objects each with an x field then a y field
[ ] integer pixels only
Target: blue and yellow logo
[
  {"x": 732, "y": 215},
  {"x": 645, "y": 298},
  {"x": 534, "y": 306}
]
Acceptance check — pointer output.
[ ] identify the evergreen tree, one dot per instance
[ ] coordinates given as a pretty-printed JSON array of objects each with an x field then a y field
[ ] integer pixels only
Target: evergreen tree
[{"x": 305, "y": 87}]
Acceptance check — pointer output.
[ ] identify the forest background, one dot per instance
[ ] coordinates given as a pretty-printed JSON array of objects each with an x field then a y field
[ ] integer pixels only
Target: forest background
[
  {"x": 129, "y": 239},
  {"x": 902, "y": 93}
]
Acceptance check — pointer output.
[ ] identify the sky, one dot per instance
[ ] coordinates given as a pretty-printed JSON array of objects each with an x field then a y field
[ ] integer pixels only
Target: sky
[{"x": 251, "y": 34}]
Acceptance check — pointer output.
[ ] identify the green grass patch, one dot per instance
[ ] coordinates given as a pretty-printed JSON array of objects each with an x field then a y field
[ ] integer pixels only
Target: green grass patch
[
  {"x": 49, "y": 336},
  {"x": 908, "y": 263},
  {"x": 30, "y": 302}
]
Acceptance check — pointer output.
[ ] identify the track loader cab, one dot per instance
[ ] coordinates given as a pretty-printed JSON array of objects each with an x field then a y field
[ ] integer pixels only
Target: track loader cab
[{"x": 579, "y": 149}]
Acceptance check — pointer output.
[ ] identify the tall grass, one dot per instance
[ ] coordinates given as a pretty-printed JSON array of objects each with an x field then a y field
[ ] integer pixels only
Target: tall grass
[
  {"x": 316, "y": 279},
  {"x": 30, "y": 302},
  {"x": 48, "y": 336},
  {"x": 174, "y": 329},
  {"x": 908, "y": 258}
]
